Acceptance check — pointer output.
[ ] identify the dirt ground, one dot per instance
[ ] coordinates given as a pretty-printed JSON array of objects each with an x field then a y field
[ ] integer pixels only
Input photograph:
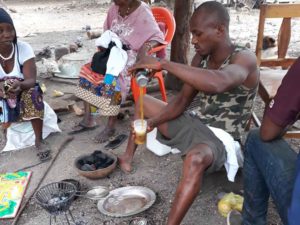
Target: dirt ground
[{"x": 58, "y": 23}]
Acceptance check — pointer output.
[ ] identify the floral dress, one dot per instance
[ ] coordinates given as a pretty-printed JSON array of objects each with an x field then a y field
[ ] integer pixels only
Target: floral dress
[
  {"x": 29, "y": 103},
  {"x": 133, "y": 30}
]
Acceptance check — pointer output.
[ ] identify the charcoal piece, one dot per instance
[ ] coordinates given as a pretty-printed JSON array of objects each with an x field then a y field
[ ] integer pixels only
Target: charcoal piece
[
  {"x": 89, "y": 160},
  {"x": 99, "y": 157},
  {"x": 87, "y": 167},
  {"x": 104, "y": 164}
]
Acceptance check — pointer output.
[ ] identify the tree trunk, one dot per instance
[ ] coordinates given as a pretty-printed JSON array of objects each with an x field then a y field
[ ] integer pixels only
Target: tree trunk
[{"x": 181, "y": 41}]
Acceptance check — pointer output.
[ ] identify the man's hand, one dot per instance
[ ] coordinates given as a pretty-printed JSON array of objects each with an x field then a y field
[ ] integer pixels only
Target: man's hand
[
  {"x": 146, "y": 62},
  {"x": 151, "y": 124}
]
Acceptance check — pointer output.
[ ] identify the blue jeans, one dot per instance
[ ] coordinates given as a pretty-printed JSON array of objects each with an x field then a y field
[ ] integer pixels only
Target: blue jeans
[
  {"x": 293, "y": 214},
  {"x": 269, "y": 169}
]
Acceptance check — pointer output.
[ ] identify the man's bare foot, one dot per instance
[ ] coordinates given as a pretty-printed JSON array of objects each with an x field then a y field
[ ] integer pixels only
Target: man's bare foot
[
  {"x": 104, "y": 135},
  {"x": 124, "y": 164}
]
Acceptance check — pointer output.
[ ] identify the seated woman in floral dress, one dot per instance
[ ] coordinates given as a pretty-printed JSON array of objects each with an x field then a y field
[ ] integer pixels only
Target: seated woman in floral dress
[
  {"x": 21, "y": 97},
  {"x": 134, "y": 24}
]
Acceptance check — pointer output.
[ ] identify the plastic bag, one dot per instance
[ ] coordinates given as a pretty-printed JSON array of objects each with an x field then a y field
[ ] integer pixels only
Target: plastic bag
[{"x": 229, "y": 202}]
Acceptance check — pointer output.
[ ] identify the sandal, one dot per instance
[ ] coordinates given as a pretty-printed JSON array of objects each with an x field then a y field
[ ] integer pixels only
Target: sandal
[
  {"x": 116, "y": 142},
  {"x": 44, "y": 152},
  {"x": 81, "y": 128}
]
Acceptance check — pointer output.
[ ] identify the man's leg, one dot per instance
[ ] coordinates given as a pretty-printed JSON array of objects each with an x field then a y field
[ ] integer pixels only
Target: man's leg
[
  {"x": 269, "y": 168},
  {"x": 152, "y": 107},
  {"x": 198, "y": 159}
]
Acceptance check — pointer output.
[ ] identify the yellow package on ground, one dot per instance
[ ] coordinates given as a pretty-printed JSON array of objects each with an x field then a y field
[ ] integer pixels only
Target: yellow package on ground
[{"x": 229, "y": 202}]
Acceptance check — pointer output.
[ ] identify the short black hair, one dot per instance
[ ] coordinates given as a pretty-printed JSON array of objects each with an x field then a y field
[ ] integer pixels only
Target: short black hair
[{"x": 216, "y": 9}]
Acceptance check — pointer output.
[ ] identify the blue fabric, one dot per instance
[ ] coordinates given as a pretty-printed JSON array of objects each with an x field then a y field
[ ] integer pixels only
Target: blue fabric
[
  {"x": 87, "y": 85},
  {"x": 269, "y": 169},
  {"x": 108, "y": 79},
  {"x": 112, "y": 90},
  {"x": 294, "y": 211}
]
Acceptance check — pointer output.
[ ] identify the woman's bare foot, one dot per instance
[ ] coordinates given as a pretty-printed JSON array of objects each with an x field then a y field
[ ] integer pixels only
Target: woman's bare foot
[
  {"x": 78, "y": 111},
  {"x": 125, "y": 164},
  {"x": 104, "y": 135}
]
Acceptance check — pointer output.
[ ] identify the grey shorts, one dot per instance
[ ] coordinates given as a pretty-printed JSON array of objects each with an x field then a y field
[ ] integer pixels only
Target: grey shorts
[{"x": 187, "y": 131}]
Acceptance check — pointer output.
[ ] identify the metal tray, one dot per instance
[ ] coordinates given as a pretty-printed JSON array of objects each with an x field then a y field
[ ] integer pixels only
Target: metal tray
[{"x": 127, "y": 201}]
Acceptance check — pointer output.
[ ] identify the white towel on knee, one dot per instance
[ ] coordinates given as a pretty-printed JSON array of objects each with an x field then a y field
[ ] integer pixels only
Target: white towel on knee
[{"x": 235, "y": 156}]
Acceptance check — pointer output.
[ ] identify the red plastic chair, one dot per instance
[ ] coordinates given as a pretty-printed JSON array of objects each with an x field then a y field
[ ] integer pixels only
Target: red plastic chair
[{"x": 165, "y": 16}]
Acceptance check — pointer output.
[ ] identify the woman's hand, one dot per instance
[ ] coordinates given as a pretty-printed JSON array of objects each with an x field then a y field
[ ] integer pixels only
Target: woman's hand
[
  {"x": 146, "y": 62},
  {"x": 15, "y": 87},
  {"x": 1, "y": 93},
  {"x": 141, "y": 53}
]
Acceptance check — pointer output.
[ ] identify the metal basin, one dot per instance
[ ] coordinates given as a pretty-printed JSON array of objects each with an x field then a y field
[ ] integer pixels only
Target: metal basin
[{"x": 127, "y": 201}]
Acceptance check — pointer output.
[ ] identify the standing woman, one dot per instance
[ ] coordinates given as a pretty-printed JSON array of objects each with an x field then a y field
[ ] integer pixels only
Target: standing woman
[
  {"x": 133, "y": 22},
  {"x": 20, "y": 96}
]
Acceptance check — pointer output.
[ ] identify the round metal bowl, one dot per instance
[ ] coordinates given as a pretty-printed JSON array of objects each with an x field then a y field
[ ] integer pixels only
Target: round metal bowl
[
  {"x": 99, "y": 173},
  {"x": 127, "y": 201}
]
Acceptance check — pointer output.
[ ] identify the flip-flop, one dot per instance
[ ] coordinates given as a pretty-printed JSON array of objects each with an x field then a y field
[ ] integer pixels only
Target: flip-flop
[
  {"x": 82, "y": 129},
  {"x": 116, "y": 142},
  {"x": 44, "y": 153}
]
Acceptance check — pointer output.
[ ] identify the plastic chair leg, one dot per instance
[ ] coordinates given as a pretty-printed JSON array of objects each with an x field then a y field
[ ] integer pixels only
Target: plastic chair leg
[{"x": 161, "y": 82}]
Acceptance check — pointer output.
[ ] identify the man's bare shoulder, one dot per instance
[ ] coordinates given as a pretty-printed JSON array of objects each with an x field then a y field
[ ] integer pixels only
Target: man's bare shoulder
[{"x": 245, "y": 58}]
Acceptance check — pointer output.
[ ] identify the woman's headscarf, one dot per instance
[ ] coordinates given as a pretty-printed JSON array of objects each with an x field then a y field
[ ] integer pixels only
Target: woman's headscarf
[{"x": 5, "y": 18}]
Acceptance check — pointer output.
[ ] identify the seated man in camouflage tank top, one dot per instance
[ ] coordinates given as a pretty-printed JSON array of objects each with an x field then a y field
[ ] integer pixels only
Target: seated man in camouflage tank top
[{"x": 224, "y": 78}]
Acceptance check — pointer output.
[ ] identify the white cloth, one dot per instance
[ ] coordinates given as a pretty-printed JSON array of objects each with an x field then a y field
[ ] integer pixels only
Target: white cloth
[
  {"x": 234, "y": 158},
  {"x": 118, "y": 57},
  {"x": 21, "y": 135},
  {"x": 25, "y": 53}
]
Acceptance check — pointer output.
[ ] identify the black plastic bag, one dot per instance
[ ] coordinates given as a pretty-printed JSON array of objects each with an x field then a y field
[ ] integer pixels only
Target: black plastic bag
[{"x": 100, "y": 59}]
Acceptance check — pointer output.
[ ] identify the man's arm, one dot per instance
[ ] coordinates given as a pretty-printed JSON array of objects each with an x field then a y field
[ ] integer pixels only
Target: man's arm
[
  {"x": 176, "y": 107},
  {"x": 284, "y": 109},
  {"x": 270, "y": 130},
  {"x": 208, "y": 81}
]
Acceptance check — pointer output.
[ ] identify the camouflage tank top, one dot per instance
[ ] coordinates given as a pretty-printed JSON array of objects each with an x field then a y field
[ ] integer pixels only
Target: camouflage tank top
[{"x": 230, "y": 110}]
